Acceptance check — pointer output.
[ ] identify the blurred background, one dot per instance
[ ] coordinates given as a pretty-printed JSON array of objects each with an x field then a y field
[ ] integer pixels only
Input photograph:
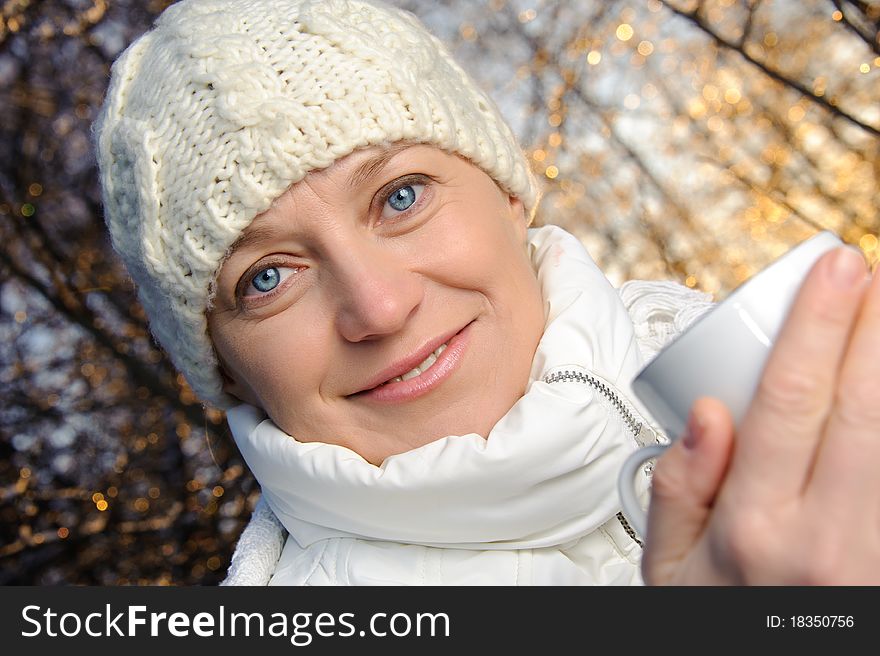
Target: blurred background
[{"x": 683, "y": 140}]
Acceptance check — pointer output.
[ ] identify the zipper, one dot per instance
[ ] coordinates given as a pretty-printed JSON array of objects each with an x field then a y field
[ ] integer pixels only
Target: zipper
[
  {"x": 630, "y": 531},
  {"x": 641, "y": 431}
]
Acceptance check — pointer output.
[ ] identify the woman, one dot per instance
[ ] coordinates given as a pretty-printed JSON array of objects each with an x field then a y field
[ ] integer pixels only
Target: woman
[{"x": 328, "y": 226}]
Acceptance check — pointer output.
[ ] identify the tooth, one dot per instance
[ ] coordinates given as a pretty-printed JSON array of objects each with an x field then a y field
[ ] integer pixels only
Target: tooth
[{"x": 430, "y": 360}]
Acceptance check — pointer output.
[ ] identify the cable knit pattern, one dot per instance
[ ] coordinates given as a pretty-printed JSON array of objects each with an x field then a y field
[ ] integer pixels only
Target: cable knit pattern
[
  {"x": 660, "y": 311},
  {"x": 258, "y": 549},
  {"x": 224, "y": 104}
]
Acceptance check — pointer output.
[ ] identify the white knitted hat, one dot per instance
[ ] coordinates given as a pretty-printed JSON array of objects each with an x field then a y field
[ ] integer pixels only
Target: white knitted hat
[{"x": 225, "y": 103}]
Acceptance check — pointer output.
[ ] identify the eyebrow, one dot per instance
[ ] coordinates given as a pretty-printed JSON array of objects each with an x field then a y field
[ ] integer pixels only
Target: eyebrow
[
  {"x": 254, "y": 234},
  {"x": 373, "y": 165}
]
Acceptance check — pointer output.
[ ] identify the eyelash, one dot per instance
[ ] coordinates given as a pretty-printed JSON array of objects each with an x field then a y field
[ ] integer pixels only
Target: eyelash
[
  {"x": 246, "y": 281},
  {"x": 414, "y": 179}
]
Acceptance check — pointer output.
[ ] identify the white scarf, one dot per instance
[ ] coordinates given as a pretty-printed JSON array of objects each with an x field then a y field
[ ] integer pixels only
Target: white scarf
[{"x": 545, "y": 475}]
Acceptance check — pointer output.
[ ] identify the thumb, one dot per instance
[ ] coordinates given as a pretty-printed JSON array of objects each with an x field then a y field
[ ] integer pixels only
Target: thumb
[{"x": 686, "y": 481}]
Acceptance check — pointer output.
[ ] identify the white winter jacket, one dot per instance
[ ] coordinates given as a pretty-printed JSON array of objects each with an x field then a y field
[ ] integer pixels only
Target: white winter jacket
[{"x": 534, "y": 503}]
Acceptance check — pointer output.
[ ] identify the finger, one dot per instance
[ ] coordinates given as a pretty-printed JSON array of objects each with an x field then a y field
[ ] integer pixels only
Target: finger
[
  {"x": 845, "y": 474},
  {"x": 779, "y": 436},
  {"x": 684, "y": 486}
]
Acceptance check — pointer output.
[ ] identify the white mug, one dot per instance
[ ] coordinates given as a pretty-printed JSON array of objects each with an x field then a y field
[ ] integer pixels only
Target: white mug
[{"x": 721, "y": 355}]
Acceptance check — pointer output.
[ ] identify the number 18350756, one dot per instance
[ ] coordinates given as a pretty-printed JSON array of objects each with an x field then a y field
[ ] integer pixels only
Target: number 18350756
[{"x": 810, "y": 622}]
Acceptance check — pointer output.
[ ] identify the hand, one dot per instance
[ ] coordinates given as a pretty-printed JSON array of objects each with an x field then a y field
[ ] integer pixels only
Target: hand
[{"x": 794, "y": 498}]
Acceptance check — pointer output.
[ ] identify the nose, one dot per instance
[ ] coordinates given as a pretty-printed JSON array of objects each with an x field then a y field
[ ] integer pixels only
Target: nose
[{"x": 376, "y": 292}]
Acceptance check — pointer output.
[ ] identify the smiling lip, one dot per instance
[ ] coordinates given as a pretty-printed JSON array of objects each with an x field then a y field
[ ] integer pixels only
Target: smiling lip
[{"x": 380, "y": 389}]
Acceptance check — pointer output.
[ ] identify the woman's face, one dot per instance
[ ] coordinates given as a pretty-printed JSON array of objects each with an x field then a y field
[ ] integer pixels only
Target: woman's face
[{"x": 382, "y": 303}]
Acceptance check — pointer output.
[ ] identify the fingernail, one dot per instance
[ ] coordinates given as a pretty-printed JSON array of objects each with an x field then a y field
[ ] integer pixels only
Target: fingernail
[
  {"x": 693, "y": 432},
  {"x": 847, "y": 267}
]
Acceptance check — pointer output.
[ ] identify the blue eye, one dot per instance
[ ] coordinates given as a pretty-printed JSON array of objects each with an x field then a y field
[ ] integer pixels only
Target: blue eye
[
  {"x": 266, "y": 280},
  {"x": 403, "y": 198}
]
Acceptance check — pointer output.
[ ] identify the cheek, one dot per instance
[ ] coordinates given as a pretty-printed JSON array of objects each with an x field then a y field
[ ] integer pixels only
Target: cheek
[
  {"x": 487, "y": 256},
  {"x": 277, "y": 358},
  {"x": 476, "y": 245},
  {"x": 499, "y": 266}
]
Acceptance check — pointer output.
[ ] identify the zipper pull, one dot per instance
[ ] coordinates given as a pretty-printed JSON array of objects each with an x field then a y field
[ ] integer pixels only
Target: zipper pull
[{"x": 648, "y": 435}]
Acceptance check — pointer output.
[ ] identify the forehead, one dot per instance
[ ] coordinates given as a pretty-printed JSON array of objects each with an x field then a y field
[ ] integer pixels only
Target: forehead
[
  {"x": 360, "y": 165},
  {"x": 364, "y": 163}
]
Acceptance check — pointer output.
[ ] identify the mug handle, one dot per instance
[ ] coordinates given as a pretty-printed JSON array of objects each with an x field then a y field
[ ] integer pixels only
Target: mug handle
[{"x": 636, "y": 516}]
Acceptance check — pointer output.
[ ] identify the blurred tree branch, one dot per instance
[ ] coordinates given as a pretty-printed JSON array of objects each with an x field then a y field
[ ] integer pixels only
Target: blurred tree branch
[
  {"x": 741, "y": 48},
  {"x": 864, "y": 21}
]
